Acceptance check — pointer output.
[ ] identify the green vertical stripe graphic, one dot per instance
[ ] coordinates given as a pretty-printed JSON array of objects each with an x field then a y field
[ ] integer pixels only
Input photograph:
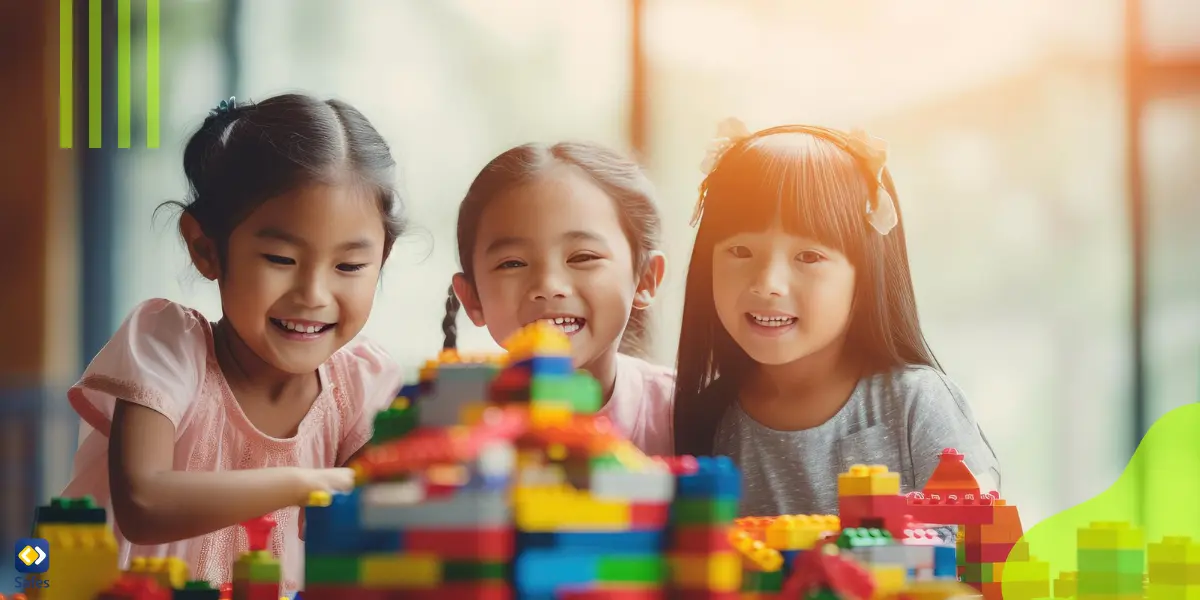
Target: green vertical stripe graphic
[
  {"x": 123, "y": 107},
  {"x": 151, "y": 73},
  {"x": 95, "y": 60},
  {"x": 66, "y": 67}
]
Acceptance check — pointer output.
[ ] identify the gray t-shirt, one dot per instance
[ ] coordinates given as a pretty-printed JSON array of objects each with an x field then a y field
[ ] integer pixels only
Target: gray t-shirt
[{"x": 904, "y": 425}]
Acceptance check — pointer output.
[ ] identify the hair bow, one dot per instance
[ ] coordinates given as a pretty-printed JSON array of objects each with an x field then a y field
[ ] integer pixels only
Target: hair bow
[
  {"x": 873, "y": 152},
  {"x": 729, "y": 132}
]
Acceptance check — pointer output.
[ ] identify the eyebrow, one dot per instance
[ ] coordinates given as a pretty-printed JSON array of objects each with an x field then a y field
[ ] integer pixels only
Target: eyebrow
[
  {"x": 274, "y": 233},
  {"x": 575, "y": 235}
]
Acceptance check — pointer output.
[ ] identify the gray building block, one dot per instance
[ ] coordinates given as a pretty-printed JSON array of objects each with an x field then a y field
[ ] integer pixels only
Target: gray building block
[{"x": 467, "y": 508}]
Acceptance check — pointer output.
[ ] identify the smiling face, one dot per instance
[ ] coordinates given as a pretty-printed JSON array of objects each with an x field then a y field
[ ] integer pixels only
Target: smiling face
[
  {"x": 301, "y": 274},
  {"x": 553, "y": 249},
  {"x": 781, "y": 297}
]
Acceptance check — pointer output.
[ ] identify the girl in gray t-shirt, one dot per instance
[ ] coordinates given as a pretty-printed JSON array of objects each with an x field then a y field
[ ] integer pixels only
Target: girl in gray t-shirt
[{"x": 801, "y": 353}]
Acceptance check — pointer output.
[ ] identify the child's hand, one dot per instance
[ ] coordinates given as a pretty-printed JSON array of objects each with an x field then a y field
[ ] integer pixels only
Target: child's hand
[
  {"x": 327, "y": 480},
  {"x": 324, "y": 480}
]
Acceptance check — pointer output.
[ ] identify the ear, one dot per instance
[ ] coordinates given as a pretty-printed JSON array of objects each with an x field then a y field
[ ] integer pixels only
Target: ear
[
  {"x": 652, "y": 278},
  {"x": 465, "y": 290},
  {"x": 202, "y": 249}
]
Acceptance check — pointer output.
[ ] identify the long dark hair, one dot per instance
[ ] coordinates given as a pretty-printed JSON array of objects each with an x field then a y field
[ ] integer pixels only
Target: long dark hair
[
  {"x": 246, "y": 153},
  {"x": 622, "y": 180},
  {"x": 813, "y": 183}
]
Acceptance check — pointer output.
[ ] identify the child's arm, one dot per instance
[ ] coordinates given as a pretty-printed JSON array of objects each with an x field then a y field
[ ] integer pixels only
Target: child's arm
[{"x": 155, "y": 504}]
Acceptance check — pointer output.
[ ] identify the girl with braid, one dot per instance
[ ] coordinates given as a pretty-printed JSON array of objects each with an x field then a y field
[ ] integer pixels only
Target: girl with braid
[{"x": 569, "y": 234}]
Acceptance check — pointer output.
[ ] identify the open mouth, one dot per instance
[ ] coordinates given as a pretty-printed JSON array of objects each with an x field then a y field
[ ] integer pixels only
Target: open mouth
[
  {"x": 301, "y": 329},
  {"x": 771, "y": 321},
  {"x": 568, "y": 325}
]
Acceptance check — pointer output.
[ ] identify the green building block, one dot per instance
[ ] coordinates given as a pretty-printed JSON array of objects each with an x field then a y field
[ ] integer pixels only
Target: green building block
[
  {"x": 756, "y": 581},
  {"x": 580, "y": 390},
  {"x": 978, "y": 573},
  {"x": 258, "y": 566},
  {"x": 703, "y": 511},
  {"x": 1111, "y": 561},
  {"x": 457, "y": 571},
  {"x": 332, "y": 569},
  {"x": 858, "y": 537},
  {"x": 1108, "y": 584},
  {"x": 645, "y": 569},
  {"x": 394, "y": 423}
]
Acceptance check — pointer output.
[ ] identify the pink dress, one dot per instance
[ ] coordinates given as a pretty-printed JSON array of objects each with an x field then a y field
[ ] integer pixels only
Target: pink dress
[
  {"x": 641, "y": 405},
  {"x": 162, "y": 358}
]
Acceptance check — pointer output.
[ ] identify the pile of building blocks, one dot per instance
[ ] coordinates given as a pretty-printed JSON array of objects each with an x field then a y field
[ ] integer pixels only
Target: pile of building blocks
[
  {"x": 492, "y": 478},
  {"x": 1114, "y": 563},
  {"x": 84, "y": 562}
]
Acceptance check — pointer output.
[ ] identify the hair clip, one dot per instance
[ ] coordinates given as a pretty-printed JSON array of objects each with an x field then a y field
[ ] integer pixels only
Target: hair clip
[{"x": 225, "y": 107}]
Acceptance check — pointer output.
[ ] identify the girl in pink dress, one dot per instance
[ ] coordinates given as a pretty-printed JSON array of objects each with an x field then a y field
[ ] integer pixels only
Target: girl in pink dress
[{"x": 190, "y": 427}]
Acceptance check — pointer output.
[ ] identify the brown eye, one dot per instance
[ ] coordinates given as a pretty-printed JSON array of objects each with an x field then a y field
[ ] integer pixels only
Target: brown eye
[
  {"x": 809, "y": 257},
  {"x": 740, "y": 252}
]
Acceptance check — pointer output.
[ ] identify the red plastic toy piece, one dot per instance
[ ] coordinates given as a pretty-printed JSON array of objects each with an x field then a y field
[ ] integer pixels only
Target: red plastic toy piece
[
  {"x": 826, "y": 569},
  {"x": 258, "y": 532}
]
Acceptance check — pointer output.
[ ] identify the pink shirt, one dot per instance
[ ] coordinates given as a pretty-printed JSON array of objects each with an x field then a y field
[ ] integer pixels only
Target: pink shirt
[
  {"x": 162, "y": 358},
  {"x": 641, "y": 405}
]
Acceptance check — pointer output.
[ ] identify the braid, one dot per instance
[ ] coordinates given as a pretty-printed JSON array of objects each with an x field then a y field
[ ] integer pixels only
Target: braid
[{"x": 449, "y": 323}]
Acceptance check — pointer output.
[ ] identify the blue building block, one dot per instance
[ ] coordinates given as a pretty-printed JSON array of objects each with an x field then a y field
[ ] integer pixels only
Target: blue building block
[
  {"x": 624, "y": 542},
  {"x": 945, "y": 562},
  {"x": 538, "y": 573},
  {"x": 411, "y": 391},
  {"x": 715, "y": 478},
  {"x": 789, "y": 559},
  {"x": 335, "y": 529},
  {"x": 548, "y": 365}
]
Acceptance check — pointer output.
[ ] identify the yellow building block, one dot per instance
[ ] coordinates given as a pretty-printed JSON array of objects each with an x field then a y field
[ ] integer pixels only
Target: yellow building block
[
  {"x": 868, "y": 480},
  {"x": 1162, "y": 591},
  {"x": 1067, "y": 584},
  {"x": 799, "y": 532},
  {"x": 934, "y": 590},
  {"x": 537, "y": 339},
  {"x": 83, "y": 561},
  {"x": 1021, "y": 571},
  {"x": 1174, "y": 550},
  {"x": 1105, "y": 535},
  {"x": 170, "y": 573},
  {"x": 549, "y": 413},
  {"x": 560, "y": 508},
  {"x": 717, "y": 572},
  {"x": 758, "y": 556},
  {"x": 401, "y": 571},
  {"x": 888, "y": 580}
]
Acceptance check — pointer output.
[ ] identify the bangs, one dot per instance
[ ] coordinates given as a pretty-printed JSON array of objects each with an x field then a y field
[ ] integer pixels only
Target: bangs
[{"x": 804, "y": 184}]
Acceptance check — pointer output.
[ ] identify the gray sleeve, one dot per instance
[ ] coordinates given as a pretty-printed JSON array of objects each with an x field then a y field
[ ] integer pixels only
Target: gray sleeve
[{"x": 939, "y": 418}]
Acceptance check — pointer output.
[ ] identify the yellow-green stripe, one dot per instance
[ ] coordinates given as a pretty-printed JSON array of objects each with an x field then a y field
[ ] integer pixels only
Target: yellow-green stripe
[
  {"x": 152, "y": 73},
  {"x": 95, "y": 62},
  {"x": 123, "y": 104},
  {"x": 66, "y": 68}
]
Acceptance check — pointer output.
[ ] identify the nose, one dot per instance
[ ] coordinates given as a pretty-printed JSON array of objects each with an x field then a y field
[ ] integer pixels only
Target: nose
[
  {"x": 549, "y": 284},
  {"x": 772, "y": 278},
  {"x": 312, "y": 290}
]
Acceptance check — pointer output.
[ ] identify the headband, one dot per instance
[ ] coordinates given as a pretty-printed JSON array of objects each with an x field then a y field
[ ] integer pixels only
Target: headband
[{"x": 870, "y": 152}]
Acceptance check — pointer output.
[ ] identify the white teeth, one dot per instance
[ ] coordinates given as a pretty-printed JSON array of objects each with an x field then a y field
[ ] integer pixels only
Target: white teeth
[
  {"x": 299, "y": 327},
  {"x": 567, "y": 324},
  {"x": 772, "y": 321}
]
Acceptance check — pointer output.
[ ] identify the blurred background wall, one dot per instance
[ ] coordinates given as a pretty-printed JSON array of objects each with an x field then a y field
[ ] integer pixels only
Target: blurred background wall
[{"x": 1045, "y": 155}]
